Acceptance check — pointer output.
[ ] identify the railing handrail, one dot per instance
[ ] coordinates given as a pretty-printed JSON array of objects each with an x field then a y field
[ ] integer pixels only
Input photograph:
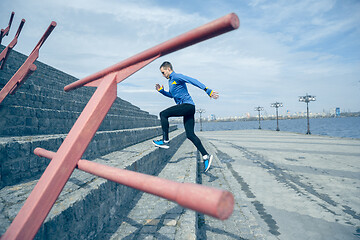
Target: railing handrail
[
  {"x": 219, "y": 206},
  {"x": 219, "y": 26}
]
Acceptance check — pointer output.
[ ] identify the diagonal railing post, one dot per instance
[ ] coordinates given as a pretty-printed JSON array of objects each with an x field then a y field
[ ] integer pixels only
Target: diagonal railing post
[
  {"x": 27, "y": 68},
  {"x": 5, "y": 32},
  {"x": 51, "y": 183},
  {"x": 5, "y": 53}
]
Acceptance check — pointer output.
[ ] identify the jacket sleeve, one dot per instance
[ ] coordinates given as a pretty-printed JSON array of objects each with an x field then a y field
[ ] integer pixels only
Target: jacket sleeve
[
  {"x": 165, "y": 93},
  {"x": 196, "y": 83}
]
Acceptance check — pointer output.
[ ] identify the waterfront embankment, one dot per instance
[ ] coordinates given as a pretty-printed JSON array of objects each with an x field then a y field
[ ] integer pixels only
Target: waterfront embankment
[{"x": 287, "y": 185}]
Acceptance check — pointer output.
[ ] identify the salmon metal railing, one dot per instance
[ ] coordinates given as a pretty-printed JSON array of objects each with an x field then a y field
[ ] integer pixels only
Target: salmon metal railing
[
  {"x": 5, "y": 32},
  {"x": 215, "y": 202},
  {"x": 26, "y": 69},
  {"x": 5, "y": 53}
]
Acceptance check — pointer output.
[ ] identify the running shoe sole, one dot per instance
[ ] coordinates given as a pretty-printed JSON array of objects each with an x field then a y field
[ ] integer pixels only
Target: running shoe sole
[
  {"x": 161, "y": 146},
  {"x": 210, "y": 161}
]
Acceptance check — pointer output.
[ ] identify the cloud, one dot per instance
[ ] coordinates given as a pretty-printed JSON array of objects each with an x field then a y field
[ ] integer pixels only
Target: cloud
[
  {"x": 282, "y": 49},
  {"x": 136, "y": 14},
  {"x": 305, "y": 23},
  {"x": 121, "y": 90}
]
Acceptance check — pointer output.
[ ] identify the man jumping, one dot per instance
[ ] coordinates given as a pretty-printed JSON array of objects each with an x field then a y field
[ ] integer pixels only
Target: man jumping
[{"x": 185, "y": 107}]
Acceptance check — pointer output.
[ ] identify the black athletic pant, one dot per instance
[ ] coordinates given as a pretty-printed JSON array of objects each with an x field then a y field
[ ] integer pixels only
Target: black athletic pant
[{"x": 187, "y": 111}]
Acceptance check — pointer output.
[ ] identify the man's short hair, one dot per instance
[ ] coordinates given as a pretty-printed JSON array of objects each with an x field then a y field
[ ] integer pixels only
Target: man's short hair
[{"x": 166, "y": 65}]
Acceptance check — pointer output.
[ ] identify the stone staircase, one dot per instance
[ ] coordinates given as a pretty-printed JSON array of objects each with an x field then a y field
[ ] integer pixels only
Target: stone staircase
[
  {"x": 40, "y": 114},
  {"x": 88, "y": 205},
  {"x": 41, "y": 106}
]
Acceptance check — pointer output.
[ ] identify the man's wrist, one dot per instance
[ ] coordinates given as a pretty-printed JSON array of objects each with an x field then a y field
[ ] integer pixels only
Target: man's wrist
[{"x": 208, "y": 91}]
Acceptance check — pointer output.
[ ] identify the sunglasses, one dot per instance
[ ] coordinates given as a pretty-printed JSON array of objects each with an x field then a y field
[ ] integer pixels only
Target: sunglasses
[{"x": 162, "y": 73}]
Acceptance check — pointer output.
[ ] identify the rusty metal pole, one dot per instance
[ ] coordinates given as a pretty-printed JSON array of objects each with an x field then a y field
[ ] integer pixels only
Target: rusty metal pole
[
  {"x": 210, "y": 201},
  {"x": 5, "y": 32},
  {"x": 214, "y": 202},
  {"x": 26, "y": 69},
  {"x": 5, "y": 53}
]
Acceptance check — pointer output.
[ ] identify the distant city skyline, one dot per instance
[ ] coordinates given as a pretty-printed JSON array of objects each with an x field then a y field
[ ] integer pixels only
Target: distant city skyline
[
  {"x": 266, "y": 114},
  {"x": 282, "y": 50}
]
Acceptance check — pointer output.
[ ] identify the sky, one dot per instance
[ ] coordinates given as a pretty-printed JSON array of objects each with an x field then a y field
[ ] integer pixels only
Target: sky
[{"x": 282, "y": 49}]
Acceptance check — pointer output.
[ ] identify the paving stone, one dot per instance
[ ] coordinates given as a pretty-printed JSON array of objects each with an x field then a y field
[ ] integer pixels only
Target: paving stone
[{"x": 286, "y": 185}]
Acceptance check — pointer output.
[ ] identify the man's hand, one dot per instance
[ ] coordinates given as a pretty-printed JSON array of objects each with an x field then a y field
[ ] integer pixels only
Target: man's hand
[
  {"x": 158, "y": 87},
  {"x": 214, "y": 95}
]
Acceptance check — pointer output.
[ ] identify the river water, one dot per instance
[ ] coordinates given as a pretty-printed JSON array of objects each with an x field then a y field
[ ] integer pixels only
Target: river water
[{"x": 347, "y": 127}]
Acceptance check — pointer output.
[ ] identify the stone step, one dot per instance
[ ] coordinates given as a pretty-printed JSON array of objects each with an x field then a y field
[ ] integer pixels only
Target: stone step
[
  {"x": 48, "y": 81},
  {"x": 35, "y": 111},
  {"x": 88, "y": 203},
  {"x": 156, "y": 218},
  {"x": 45, "y": 72},
  {"x": 40, "y": 106},
  {"x": 19, "y": 163},
  {"x": 54, "y": 104},
  {"x": 59, "y": 100},
  {"x": 22, "y": 120}
]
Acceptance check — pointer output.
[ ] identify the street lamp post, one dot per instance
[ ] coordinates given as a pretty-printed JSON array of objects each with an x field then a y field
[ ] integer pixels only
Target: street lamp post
[
  {"x": 277, "y": 105},
  {"x": 307, "y": 99},
  {"x": 200, "y": 111},
  {"x": 259, "y": 109}
]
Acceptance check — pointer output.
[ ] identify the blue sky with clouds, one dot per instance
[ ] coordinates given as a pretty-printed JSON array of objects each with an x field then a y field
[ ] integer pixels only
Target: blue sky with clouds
[{"x": 282, "y": 50}]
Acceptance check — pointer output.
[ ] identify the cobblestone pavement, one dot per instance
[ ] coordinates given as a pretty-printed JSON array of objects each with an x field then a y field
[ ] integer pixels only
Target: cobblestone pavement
[
  {"x": 242, "y": 224},
  {"x": 286, "y": 185}
]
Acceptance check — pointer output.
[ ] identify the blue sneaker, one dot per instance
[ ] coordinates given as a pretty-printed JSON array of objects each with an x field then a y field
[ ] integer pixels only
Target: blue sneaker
[
  {"x": 207, "y": 162},
  {"x": 161, "y": 143}
]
